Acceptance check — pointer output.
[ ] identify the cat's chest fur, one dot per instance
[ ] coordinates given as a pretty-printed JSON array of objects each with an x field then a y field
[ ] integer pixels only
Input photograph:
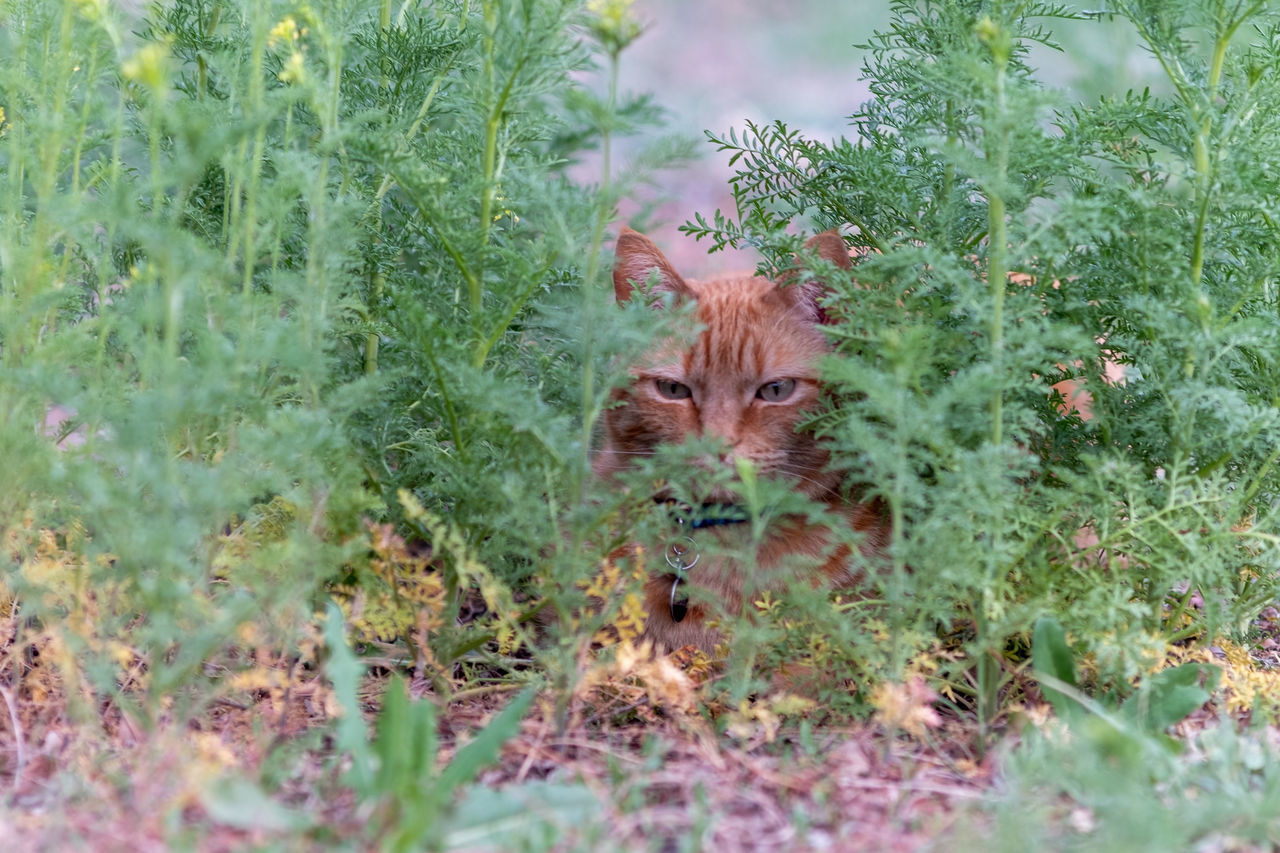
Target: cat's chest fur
[{"x": 746, "y": 383}]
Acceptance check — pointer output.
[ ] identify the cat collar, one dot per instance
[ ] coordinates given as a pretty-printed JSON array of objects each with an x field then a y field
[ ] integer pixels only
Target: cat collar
[{"x": 707, "y": 515}]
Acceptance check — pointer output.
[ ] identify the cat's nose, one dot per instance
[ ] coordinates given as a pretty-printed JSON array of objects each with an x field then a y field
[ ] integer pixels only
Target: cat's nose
[
  {"x": 705, "y": 462},
  {"x": 716, "y": 461}
]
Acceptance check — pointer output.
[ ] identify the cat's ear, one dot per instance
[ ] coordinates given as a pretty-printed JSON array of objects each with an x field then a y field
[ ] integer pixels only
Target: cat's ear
[
  {"x": 829, "y": 246},
  {"x": 636, "y": 258},
  {"x": 806, "y": 296}
]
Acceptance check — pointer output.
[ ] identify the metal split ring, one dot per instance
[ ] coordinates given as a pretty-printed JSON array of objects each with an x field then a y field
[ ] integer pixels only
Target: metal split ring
[{"x": 680, "y": 556}]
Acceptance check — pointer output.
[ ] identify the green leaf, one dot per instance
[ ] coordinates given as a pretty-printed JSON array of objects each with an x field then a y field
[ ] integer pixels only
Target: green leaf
[
  {"x": 484, "y": 748},
  {"x": 405, "y": 744},
  {"x": 421, "y": 798},
  {"x": 507, "y": 819},
  {"x": 244, "y": 805},
  {"x": 1050, "y": 655},
  {"x": 345, "y": 672},
  {"x": 1170, "y": 695},
  {"x": 394, "y": 769}
]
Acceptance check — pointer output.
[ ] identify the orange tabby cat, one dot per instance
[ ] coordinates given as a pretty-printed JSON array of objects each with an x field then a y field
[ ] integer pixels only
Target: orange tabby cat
[{"x": 748, "y": 379}]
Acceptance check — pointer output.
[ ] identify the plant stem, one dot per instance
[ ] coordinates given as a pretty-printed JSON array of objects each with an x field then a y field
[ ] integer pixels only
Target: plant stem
[
  {"x": 1202, "y": 110},
  {"x": 257, "y": 97},
  {"x": 997, "y": 257},
  {"x": 996, "y": 139},
  {"x": 493, "y": 121},
  {"x": 455, "y": 428},
  {"x": 492, "y": 163},
  {"x": 1204, "y": 167},
  {"x": 604, "y": 212},
  {"x": 897, "y": 538},
  {"x": 377, "y": 278}
]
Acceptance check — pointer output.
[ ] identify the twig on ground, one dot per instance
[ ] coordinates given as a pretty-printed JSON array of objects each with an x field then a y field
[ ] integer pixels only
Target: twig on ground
[{"x": 19, "y": 739}]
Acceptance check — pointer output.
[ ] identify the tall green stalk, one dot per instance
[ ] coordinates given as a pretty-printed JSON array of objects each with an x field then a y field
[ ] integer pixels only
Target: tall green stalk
[
  {"x": 996, "y": 139},
  {"x": 1202, "y": 107},
  {"x": 377, "y": 277},
  {"x": 604, "y": 211},
  {"x": 1200, "y": 104}
]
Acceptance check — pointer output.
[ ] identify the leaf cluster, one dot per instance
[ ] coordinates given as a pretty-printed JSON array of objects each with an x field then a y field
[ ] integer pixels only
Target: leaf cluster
[
  {"x": 1055, "y": 358},
  {"x": 295, "y": 304}
]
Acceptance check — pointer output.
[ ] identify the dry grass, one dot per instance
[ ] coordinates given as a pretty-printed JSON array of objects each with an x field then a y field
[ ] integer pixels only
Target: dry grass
[
  {"x": 94, "y": 778},
  {"x": 669, "y": 766}
]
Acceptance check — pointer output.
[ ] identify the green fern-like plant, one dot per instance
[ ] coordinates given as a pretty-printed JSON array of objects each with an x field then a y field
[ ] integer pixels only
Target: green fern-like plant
[{"x": 1015, "y": 240}]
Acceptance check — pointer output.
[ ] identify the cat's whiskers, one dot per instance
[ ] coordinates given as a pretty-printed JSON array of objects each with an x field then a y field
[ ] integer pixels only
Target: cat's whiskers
[{"x": 795, "y": 474}]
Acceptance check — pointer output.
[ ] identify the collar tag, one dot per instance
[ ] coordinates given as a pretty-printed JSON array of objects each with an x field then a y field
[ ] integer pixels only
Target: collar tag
[{"x": 677, "y": 606}]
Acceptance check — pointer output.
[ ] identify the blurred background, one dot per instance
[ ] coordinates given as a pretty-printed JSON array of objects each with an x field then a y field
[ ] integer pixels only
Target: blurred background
[{"x": 714, "y": 64}]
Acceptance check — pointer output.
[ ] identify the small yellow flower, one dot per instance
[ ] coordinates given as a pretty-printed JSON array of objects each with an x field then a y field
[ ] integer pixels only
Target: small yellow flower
[
  {"x": 996, "y": 38},
  {"x": 282, "y": 31},
  {"x": 294, "y": 71},
  {"x": 287, "y": 30},
  {"x": 630, "y": 621},
  {"x": 499, "y": 198},
  {"x": 1245, "y": 686}
]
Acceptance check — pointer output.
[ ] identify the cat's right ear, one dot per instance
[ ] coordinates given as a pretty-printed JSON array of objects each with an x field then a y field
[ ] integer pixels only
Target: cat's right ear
[
  {"x": 636, "y": 259},
  {"x": 807, "y": 296}
]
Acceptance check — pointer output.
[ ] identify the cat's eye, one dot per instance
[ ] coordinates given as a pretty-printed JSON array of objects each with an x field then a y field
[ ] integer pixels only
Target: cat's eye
[
  {"x": 672, "y": 390},
  {"x": 777, "y": 390}
]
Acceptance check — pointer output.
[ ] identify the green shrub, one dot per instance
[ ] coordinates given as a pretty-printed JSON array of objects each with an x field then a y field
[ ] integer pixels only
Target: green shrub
[
  {"x": 1141, "y": 228},
  {"x": 279, "y": 273}
]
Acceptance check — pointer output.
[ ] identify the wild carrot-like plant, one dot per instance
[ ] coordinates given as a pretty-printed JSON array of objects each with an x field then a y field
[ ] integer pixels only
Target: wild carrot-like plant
[
  {"x": 275, "y": 278},
  {"x": 1016, "y": 240}
]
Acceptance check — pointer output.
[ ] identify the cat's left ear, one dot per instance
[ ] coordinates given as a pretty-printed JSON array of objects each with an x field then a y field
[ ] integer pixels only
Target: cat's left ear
[
  {"x": 806, "y": 296},
  {"x": 637, "y": 260}
]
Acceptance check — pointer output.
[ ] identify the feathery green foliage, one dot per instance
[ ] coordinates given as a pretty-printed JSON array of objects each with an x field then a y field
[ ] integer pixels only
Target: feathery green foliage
[
  {"x": 1015, "y": 240},
  {"x": 276, "y": 276}
]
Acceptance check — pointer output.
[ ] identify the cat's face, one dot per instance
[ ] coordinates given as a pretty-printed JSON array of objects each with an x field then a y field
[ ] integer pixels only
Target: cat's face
[{"x": 747, "y": 380}]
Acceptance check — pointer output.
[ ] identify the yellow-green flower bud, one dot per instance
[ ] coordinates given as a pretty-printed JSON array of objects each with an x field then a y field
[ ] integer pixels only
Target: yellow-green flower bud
[
  {"x": 148, "y": 67},
  {"x": 613, "y": 24},
  {"x": 996, "y": 38}
]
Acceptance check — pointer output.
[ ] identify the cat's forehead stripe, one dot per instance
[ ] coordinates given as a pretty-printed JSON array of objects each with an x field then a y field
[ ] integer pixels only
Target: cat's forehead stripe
[{"x": 749, "y": 329}]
